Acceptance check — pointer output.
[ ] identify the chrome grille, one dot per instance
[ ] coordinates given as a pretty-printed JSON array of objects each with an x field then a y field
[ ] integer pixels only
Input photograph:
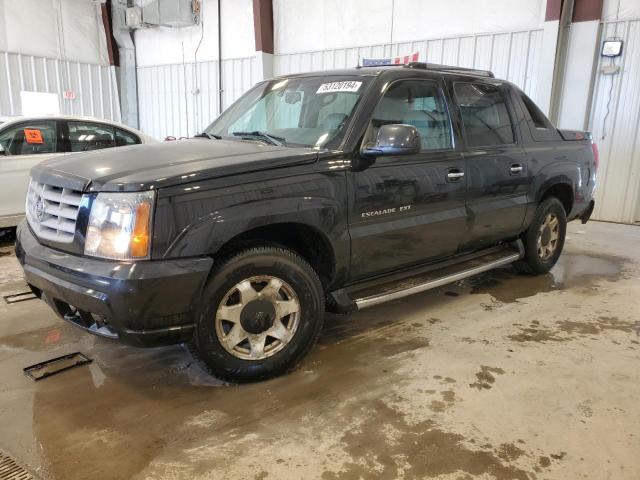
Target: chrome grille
[{"x": 52, "y": 211}]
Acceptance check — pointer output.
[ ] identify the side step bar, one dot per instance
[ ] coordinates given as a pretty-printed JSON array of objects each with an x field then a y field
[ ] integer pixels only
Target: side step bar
[{"x": 369, "y": 297}]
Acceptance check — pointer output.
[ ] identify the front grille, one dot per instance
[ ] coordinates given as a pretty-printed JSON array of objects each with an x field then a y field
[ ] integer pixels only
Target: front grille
[{"x": 52, "y": 211}]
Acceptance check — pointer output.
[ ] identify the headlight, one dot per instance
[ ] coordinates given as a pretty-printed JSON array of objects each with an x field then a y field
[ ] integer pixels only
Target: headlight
[{"x": 120, "y": 226}]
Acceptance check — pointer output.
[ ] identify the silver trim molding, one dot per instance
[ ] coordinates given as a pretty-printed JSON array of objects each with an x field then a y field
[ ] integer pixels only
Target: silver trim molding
[{"x": 387, "y": 297}]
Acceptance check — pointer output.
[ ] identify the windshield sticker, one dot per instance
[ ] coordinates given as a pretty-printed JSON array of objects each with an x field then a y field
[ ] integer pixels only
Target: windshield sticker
[
  {"x": 32, "y": 135},
  {"x": 349, "y": 86}
]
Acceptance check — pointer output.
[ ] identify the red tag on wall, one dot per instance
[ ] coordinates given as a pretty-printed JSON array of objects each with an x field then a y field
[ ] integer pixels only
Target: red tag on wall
[{"x": 33, "y": 135}]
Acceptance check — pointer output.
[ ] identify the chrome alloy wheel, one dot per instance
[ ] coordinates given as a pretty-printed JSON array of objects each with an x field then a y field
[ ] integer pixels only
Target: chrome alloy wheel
[
  {"x": 257, "y": 317},
  {"x": 548, "y": 236}
]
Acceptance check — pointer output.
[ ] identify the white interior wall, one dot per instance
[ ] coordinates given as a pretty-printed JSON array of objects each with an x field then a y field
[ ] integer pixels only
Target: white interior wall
[
  {"x": 515, "y": 56},
  {"x": 627, "y": 10},
  {"x": 615, "y": 123},
  {"x": 575, "y": 97},
  {"x": 350, "y": 23},
  {"x": 179, "y": 95},
  {"x": 419, "y": 19},
  {"x": 64, "y": 29},
  {"x": 54, "y": 46},
  {"x": 164, "y": 46}
]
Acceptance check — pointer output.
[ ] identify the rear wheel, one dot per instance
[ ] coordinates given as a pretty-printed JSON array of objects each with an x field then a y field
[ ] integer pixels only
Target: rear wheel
[
  {"x": 544, "y": 240},
  {"x": 261, "y": 312}
]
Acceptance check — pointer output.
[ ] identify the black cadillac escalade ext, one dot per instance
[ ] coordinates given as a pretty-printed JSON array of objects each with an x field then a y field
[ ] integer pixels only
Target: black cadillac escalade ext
[{"x": 337, "y": 190}]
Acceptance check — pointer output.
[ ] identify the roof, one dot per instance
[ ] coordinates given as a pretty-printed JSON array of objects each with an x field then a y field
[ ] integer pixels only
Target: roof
[{"x": 374, "y": 71}]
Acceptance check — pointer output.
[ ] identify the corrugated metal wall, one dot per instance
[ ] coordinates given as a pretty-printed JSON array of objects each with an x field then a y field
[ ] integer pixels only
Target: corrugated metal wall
[
  {"x": 182, "y": 99},
  {"x": 511, "y": 55},
  {"x": 615, "y": 123},
  {"x": 95, "y": 89}
]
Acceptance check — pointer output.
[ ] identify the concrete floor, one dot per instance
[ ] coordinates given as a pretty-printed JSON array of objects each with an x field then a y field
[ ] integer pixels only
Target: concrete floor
[{"x": 502, "y": 376}]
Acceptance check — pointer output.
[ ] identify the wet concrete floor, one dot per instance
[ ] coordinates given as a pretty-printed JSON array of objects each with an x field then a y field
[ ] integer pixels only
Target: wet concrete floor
[{"x": 497, "y": 377}]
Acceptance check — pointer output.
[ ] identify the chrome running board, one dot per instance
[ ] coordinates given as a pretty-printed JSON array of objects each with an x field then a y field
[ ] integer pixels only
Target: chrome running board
[{"x": 436, "y": 279}]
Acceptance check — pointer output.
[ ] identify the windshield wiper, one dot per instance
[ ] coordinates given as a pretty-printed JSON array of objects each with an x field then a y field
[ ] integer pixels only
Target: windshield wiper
[
  {"x": 267, "y": 137},
  {"x": 210, "y": 136}
]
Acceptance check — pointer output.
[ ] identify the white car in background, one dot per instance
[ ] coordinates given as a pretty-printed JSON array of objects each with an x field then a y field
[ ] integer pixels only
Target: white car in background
[{"x": 26, "y": 141}]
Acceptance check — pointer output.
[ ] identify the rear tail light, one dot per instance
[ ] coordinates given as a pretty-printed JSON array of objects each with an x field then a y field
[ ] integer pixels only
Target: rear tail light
[{"x": 596, "y": 156}]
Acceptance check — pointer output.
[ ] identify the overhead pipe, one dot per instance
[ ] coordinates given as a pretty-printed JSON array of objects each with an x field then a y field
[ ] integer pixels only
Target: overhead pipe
[
  {"x": 219, "y": 57},
  {"x": 126, "y": 73},
  {"x": 560, "y": 63}
]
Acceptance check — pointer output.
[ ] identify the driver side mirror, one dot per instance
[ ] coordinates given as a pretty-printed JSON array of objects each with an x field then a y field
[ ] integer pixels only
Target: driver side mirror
[{"x": 395, "y": 139}]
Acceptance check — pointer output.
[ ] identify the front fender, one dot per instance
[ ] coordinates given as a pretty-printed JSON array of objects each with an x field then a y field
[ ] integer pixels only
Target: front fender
[
  {"x": 206, "y": 235},
  {"x": 200, "y": 221}
]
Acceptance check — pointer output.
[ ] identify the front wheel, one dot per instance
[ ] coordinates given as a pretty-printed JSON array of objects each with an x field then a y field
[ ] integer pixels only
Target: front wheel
[
  {"x": 261, "y": 312},
  {"x": 544, "y": 240}
]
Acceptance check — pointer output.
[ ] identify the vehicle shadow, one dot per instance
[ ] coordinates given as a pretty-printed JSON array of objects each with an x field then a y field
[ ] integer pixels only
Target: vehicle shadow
[{"x": 7, "y": 237}]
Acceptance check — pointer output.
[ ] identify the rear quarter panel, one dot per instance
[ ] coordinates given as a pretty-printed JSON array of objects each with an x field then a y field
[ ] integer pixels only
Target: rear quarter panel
[
  {"x": 553, "y": 162},
  {"x": 561, "y": 162}
]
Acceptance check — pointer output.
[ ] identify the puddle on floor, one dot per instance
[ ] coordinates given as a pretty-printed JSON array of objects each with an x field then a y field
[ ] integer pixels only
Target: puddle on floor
[
  {"x": 386, "y": 443},
  {"x": 573, "y": 270}
]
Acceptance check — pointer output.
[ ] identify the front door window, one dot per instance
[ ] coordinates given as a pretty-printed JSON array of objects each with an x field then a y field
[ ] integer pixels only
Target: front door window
[{"x": 418, "y": 103}]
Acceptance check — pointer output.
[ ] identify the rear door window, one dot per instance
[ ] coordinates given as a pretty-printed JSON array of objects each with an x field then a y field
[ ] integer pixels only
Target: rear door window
[
  {"x": 87, "y": 136},
  {"x": 30, "y": 138},
  {"x": 485, "y": 115},
  {"x": 542, "y": 130},
  {"x": 125, "y": 138}
]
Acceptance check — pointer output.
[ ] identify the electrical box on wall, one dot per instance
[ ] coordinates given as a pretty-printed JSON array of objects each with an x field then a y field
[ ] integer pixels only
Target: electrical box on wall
[
  {"x": 150, "y": 12},
  {"x": 133, "y": 17},
  {"x": 176, "y": 13},
  {"x": 610, "y": 69},
  {"x": 169, "y": 13}
]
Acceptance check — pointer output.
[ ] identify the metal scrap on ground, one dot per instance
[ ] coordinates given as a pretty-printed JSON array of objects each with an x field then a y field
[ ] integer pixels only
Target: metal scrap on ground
[{"x": 56, "y": 365}]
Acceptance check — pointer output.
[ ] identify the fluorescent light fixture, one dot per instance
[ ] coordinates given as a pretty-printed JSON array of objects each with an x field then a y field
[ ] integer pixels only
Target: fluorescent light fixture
[{"x": 611, "y": 48}]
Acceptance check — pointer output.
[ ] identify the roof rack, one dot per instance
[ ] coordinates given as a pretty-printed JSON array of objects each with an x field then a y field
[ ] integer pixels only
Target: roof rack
[
  {"x": 435, "y": 66},
  {"x": 450, "y": 69}
]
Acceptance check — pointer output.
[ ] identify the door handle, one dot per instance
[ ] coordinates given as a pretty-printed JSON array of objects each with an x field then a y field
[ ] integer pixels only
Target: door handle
[
  {"x": 516, "y": 168},
  {"x": 455, "y": 175}
]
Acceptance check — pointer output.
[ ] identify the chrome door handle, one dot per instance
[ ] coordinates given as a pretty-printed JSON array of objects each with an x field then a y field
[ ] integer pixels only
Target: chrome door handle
[
  {"x": 455, "y": 175},
  {"x": 516, "y": 168}
]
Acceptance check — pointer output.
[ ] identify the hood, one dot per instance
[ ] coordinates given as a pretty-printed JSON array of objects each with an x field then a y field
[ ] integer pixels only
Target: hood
[{"x": 143, "y": 167}]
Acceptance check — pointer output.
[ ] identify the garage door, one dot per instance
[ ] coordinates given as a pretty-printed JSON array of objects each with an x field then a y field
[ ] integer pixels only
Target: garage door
[{"x": 615, "y": 123}]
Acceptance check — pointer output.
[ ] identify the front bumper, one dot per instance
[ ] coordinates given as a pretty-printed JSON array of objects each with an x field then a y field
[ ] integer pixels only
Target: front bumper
[{"x": 144, "y": 303}]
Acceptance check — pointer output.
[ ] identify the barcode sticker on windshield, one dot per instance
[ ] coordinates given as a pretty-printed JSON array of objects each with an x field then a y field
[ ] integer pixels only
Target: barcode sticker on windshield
[{"x": 332, "y": 87}]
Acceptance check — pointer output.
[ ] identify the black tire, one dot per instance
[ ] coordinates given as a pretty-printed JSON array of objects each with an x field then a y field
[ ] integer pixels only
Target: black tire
[
  {"x": 533, "y": 262},
  {"x": 251, "y": 263}
]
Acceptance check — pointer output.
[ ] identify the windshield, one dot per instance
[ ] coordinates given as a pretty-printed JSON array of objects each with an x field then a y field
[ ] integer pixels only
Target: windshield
[{"x": 303, "y": 111}]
